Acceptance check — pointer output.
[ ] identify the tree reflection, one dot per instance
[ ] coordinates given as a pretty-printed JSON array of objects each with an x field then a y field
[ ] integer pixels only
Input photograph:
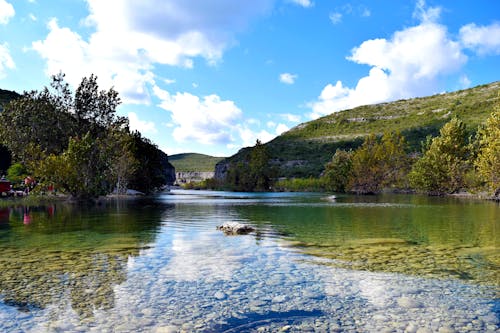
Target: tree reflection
[{"x": 71, "y": 251}]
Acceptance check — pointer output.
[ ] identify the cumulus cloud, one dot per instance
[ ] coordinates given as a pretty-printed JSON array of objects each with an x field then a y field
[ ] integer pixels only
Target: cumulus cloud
[
  {"x": 482, "y": 39},
  {"x": 406, "y": 65},
  {"x": 131, "y": 37},
  {"x": 6, "y": 12},
  {"x": 6, "y": 61},
  {"x": 288, "y": 78},
  {"x": 142, "y": 126},
  {"x": 207, "y": 120},
  {"x": 303, "y": 3}
]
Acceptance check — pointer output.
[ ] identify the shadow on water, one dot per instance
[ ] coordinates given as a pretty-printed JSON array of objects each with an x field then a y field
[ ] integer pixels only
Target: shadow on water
[
  {"x": 252, "y": 321},
  {"x": 77, "y": 253}
]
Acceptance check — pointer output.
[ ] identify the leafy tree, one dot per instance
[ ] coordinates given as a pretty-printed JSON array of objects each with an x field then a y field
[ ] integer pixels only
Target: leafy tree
[
  {"x": 444, "y": 164},
  {"x": 152, "y": 166},
  {"x": 338, "y": 171},
  {"x": 35, "y": 119},
  {"x": 95, "y": 110},
  {"x": 254, "y": 174},
  {"x": 379, "y": 163},
  {"x": 260, "y": 169},
  {"x": 487, "y": 162},
  {"x": 82, "y": 170}
]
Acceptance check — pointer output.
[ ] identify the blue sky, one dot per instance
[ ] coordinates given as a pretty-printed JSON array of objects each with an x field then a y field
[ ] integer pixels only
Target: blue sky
[{"x": 212, "y": 76}]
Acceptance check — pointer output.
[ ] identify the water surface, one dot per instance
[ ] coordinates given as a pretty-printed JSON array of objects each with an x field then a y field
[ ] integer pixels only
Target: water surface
[{"x": 314, "y": 263}]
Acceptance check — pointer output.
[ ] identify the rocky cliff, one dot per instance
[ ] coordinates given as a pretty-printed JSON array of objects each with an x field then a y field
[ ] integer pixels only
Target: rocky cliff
[{"x": 185, "y": 177}]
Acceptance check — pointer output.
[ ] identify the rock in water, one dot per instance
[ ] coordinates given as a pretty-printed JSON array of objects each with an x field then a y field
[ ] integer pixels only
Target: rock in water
[{"x": 235, "y": 228}]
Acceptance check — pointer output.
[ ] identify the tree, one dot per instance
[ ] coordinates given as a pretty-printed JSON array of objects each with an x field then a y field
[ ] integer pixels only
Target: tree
[
  {"x": 487, "y": 162},
  {"x": 260, "y": 169},
  {"x": 338, "y": 171},
  {"x": 443, "y": 166},
  {"x": 95, "y": 110},
  {"x": 82, "y": 170},
  {"x": 379, "y": 163},
  {"x": 35, "y": 119}
]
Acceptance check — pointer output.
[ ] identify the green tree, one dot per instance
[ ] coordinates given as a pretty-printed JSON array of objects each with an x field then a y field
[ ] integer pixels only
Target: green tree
[
  {"x": 82, "y": 170},
  {"x": 443, "y": 166},
  {"x": 378, "y": 164},
  {"x": 338, "y": 171},
  {"x": 35, "y": 119},
  {"x": 94, "y": 109},
  {"x": 260, "y": 168},
  {"x": 487, "y": 162}
]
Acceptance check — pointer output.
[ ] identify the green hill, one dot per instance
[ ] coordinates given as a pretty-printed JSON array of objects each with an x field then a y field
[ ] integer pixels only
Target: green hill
[
  {"x": 304, "y": 150},
  {"x": 194, "y": 162}
]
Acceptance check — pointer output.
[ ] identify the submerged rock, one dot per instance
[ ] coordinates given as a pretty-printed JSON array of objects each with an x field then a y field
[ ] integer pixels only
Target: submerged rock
[{"x": 235, "y": 228}]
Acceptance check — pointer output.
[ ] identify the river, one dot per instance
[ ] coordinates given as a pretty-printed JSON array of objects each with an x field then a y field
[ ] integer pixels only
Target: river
[{"x": 315, "y": 262}]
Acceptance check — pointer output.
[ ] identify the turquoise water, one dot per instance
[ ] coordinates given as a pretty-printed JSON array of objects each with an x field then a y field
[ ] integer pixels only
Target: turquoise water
[{"x": 314, "y": 263}]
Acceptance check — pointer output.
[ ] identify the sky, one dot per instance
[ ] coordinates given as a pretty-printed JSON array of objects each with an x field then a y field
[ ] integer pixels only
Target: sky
[{"x": 212, "y": 76}]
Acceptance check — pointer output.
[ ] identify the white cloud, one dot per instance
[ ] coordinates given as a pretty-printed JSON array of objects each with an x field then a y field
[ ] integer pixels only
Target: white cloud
[
  {"x": 288, "y": 78},
  {"x": 141, "y": 125},
  {"x": 131, "y": 37},
  {"x": 426, "y": 14},
  {"x": 207, "y": 120},
  {"x": 6, "y": 12},
  {"x": 6, "y": 61},
  {"x": 482, "y": 39},
  {"x": 33, "y": 17},
  {"x": 281, "y": 128},
  {"x": 169, "y": 81},
  {"x": 335, "y": 17},
  {"x": 249, "y": 137},
  {"x": 365, "y": 12},
  {"x": 292, "y": 117},
  {"x": 407, "y": 65},
  {"x": 303, "y": 3}
]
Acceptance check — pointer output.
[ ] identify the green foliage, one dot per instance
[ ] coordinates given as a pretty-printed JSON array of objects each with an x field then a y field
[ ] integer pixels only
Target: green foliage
[
  {"x": 16, "y": 173},
  {"x": 378, "y": 164},
  {"x": 487, "y": 162},
  {"x": 301, "y": 185},
  {"x": 152, "y": 165},
  {"x": 338, "y": 171},
  {"x": 255, "y": 174},
  {"x": 82, "y": 170},
  {"x": 443, "y": 167}
]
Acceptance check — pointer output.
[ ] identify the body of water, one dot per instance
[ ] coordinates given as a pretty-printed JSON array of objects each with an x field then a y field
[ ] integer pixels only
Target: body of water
[{"x": 314, "y": 263}]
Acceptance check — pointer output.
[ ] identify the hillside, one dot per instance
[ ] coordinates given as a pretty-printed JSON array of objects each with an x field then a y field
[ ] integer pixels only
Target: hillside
[
  {"x": 6, "y": 96},
  {"x": 304, "y": 150},
  {"x": 194, "y": 162}
]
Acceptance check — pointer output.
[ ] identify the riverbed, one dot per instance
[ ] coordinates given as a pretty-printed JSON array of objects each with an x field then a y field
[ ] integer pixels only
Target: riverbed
[{"x": 315, "y": 262}]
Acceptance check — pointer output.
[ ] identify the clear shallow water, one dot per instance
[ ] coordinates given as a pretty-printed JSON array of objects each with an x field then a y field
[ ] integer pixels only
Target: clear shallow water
[{"x": 354, "y": 264}]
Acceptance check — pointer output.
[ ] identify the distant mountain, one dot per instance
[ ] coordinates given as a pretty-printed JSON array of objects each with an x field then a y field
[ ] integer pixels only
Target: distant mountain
[
  {"x": 304, "y": 150},
  {"x": 6, "y": 96},
  {"x": 192, "y": 162}
]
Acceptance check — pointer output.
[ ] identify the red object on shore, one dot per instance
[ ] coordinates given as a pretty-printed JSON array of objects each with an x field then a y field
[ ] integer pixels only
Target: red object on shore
[{"x": 5, "y": 186}]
